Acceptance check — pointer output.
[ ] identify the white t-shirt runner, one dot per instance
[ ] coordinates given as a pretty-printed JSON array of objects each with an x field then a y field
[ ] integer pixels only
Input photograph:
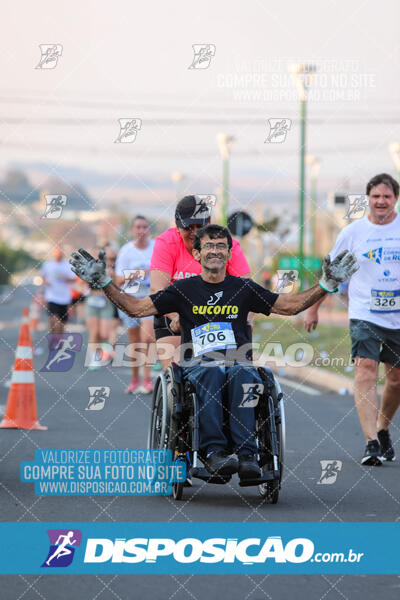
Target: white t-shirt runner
[
  {"x": 374, "y": 290},
  {"x": 130, "y": 259},
  {"x": 59, "y": 291}
]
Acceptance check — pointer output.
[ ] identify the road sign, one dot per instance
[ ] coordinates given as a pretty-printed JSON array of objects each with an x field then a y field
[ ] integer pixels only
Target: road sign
[
  {"x": 310, "y": 263},
  {"x": 240, "y": 223}
]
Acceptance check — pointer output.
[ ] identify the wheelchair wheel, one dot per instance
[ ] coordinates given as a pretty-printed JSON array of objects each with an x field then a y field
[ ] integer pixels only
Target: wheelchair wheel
[
  {"x": 269, "y": 491},
  {"x": 165, "y": 422},
  {"x": 163, "y": 426},
  {"x": 177, "y": 488},
  {"x": 157, "y": 428}
]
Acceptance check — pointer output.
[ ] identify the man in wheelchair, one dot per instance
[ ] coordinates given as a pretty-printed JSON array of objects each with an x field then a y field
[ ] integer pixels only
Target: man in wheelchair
[{"x": 213, "y": 308}]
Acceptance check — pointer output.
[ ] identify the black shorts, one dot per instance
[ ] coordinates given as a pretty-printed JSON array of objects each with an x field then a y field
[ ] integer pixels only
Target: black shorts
[
  {"x": 76, "y": 300},
  {"x": 161, "y": 327},
  {"x": 373, "y": 341},
  {"x": 59, "y": 310}
]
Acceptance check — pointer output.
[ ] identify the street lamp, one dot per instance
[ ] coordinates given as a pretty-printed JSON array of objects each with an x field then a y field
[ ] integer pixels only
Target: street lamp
[
  {"x": 302, "y": 76},
  {"x": 178, "y": 179},
  {"x": 394, "y": 150},
  {"x": 225, "y": 143},
  {"x": 315, "y": 164}
]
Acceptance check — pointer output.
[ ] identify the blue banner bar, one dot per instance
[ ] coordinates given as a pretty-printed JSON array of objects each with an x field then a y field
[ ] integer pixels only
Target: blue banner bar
[{"x": 212, "y": 548}]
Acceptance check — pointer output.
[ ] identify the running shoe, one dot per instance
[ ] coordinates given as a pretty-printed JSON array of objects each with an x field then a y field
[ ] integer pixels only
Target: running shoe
[
  {"x": 219, "y": 462},
  {"x": 387, "y": 451},
  {"x": 133, "y": 387},
  {"x": 372, "y": 455},
  {"x": 104, "y": 355},
  {"x": 147, "y": 386},
  {"x": 248, "y": 466}
]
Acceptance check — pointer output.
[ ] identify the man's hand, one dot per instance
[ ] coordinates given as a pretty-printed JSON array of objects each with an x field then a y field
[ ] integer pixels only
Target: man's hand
[
  {"x": 338, "y": 270},
  {"x": 93, "y": 271},
  {"x": 174, "y": 325},
  {"x": 311, "y": 319}
]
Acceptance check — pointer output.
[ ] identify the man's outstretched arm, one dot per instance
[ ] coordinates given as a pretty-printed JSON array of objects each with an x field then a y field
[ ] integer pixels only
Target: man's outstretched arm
[
  {"x": 333, "y": 273},
  {"x": 134, "y": 307},
  {"x": 94, "y": 272},
  {"x": 292, "y": 304}
]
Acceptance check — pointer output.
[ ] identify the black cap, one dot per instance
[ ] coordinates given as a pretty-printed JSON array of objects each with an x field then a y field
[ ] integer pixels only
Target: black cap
[{"x": 192, "y": 210}]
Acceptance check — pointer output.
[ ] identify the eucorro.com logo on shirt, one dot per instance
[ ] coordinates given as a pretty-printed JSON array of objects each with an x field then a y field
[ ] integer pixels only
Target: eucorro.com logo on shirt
[{"x": 226, "y": 309}]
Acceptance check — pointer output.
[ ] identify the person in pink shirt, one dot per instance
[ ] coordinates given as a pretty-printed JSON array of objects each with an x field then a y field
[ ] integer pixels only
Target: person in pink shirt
[{"x": 172, "y": 260}]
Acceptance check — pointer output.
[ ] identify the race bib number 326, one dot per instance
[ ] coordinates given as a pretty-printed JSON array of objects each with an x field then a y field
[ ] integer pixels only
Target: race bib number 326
[
  {"x": 211, "y": 337},
  {"x": 385, "y": 301}
]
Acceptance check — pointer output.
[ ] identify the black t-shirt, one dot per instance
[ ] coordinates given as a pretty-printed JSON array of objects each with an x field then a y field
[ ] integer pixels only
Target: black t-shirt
[{"x": 213, "y": 316}]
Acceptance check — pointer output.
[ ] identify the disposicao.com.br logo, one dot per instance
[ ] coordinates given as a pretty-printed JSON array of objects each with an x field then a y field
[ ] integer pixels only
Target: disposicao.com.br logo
[
  {"x": 205, "y": 548},
  {"x": 62, "y": 547},
  {"x": 247, "y": 551}
]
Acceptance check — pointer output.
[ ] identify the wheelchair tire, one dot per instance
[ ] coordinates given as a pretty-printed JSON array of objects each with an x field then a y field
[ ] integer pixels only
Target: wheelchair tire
[
  {"x": 171, "y": 432},
  {"x": 177, "y": 490},
  {"x": 269, "y": 491},
  {"x": 157, "y": 428},
  {"x": 163, "y": 426}
]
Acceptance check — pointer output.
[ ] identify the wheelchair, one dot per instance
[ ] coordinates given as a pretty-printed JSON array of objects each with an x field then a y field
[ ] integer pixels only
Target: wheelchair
[{"x": 174, "y": 425}]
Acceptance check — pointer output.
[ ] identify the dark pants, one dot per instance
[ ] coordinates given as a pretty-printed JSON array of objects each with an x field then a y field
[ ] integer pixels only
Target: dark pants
[{"x": 210, "y": 383}]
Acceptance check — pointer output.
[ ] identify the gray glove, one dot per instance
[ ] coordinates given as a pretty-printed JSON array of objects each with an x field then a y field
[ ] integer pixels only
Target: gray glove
[
  {"x": 93, "y": 271},
  {"x": 338, "y": 270}
]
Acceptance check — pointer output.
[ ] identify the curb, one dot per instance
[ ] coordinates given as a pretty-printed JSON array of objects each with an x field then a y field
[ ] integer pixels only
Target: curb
[{"x": 333, "y": 382}]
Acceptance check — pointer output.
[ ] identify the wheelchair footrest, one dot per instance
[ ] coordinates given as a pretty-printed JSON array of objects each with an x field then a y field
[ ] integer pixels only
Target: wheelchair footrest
[
  {"x": 270, "y": 474},
  {"x": 249, "y": 482},
  {"x": 204, "y": 475},
  {"x": 267, "y": 475}
]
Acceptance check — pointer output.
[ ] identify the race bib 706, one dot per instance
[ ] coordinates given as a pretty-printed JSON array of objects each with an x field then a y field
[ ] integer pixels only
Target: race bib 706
[{"x": 211, "y": 337}]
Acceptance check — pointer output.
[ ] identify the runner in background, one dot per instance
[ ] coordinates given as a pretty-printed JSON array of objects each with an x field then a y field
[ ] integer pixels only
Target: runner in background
[
  {"x": 57, "y": 279},
  {"x": 132, "y": 275},
  {"x": 76, "y": 309},
  {"x": 99, "y": 314},
  {"x": 374, "y": 312},
  {"x": 172, "y": 260}
]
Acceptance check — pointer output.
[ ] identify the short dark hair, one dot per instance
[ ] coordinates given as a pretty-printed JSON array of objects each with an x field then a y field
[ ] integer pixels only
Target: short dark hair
[
  {"x": 139, "y": 217},
  {"x": 387, "y": 180},
  {"x": 214, "y": 232}
]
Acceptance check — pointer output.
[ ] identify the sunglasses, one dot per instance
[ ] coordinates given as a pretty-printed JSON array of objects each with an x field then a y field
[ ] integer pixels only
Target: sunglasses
[{"x": 192, "y": 227}]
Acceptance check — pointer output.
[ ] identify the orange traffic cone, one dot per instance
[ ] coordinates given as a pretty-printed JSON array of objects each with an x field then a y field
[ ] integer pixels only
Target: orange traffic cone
[{"x": 21, "y": 412}]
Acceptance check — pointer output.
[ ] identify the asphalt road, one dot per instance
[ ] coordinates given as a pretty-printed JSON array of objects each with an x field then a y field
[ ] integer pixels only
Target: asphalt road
[{"x": 319, "y": 427}]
